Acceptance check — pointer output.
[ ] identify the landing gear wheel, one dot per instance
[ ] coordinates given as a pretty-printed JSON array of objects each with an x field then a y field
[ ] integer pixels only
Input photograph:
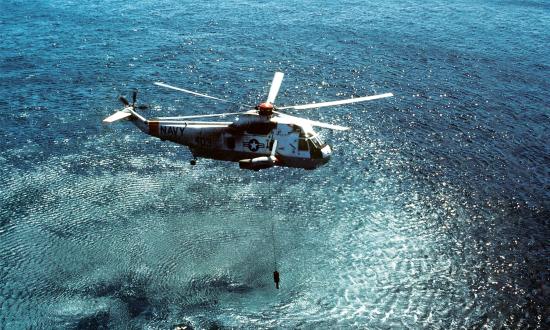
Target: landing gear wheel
[{"x": 193, "y": 162}]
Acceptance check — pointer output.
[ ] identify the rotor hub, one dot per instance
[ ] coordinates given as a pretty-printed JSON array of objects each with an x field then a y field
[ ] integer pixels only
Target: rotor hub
[{"x": 265, "y": 109}]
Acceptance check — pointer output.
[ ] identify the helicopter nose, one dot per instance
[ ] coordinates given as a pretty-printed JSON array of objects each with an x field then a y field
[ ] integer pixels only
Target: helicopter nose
[{"x": 326, "y": 151}]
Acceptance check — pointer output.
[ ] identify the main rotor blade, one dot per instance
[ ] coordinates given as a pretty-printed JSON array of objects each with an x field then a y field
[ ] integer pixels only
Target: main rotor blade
[
  {"x": 198, "y": 94},
  {"x": 326, "y": 125},
  {"x": 202, "y": 116},
  {"x": 312, "y": 122},
  {"x": 275, "y": 85},
  {"x": 274, "y": 148},
  {"x": 340, "y": 102}
]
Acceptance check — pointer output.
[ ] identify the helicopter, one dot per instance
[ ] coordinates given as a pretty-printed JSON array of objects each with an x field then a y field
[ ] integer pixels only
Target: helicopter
[{"x": 258, "y": 138}]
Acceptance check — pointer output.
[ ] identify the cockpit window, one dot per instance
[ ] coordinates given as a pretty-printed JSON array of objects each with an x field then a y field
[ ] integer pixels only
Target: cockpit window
[{"x": 317, "y": 142}]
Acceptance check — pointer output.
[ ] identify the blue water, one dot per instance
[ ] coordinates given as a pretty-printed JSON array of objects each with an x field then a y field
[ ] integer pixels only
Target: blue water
[{"x": 433, "y": 212}]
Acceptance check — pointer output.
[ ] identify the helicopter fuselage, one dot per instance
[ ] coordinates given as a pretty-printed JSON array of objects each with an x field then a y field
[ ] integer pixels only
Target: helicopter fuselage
[
  {"x": 259, "y": 138},
  {"x": 297, "y": 146}
]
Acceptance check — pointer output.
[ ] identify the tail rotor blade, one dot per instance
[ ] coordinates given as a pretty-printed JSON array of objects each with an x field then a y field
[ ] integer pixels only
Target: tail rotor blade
[
  {"x": 275, "y": 85},
  {"x": 124, "y": 100}
]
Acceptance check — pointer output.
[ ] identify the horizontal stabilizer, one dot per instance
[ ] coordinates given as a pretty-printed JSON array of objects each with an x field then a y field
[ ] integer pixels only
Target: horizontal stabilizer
[{"x": 117, "y": 116}]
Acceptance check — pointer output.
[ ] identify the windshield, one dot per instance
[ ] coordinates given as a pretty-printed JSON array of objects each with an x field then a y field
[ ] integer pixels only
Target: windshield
[{"x": 317, "y": 142}]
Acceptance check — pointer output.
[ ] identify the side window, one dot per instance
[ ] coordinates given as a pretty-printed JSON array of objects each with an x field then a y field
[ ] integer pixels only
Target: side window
[{"x": 302, "y": 145}]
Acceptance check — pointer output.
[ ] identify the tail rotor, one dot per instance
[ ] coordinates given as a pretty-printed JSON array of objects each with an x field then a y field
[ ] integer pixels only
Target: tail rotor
[
  {"x": 134, "y": 99},
  {"x": 124, "y": 101},
  {"x": 128, "y": 109}
]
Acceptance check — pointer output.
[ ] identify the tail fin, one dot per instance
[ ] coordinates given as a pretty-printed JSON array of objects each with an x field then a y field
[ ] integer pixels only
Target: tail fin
[{"x": 117, "y": 116}]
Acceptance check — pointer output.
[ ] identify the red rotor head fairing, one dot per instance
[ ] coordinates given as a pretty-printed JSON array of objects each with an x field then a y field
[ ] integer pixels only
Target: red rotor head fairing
[{"x": 265, "y": 109}]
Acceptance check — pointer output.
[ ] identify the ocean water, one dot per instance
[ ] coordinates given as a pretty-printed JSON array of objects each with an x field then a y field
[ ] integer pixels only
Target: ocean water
[{"x": 433, "y": 212}]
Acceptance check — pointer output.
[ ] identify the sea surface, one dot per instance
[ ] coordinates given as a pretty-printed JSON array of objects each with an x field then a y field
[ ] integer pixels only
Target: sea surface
[{"x": 433, "y": 213}]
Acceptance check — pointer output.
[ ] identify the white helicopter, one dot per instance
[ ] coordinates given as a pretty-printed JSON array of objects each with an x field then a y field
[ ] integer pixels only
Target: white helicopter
[{"x": 258, "y": 138}]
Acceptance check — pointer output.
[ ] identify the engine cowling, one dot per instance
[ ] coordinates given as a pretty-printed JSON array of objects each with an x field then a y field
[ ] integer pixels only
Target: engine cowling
[{"x": 258, "y": 163}]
